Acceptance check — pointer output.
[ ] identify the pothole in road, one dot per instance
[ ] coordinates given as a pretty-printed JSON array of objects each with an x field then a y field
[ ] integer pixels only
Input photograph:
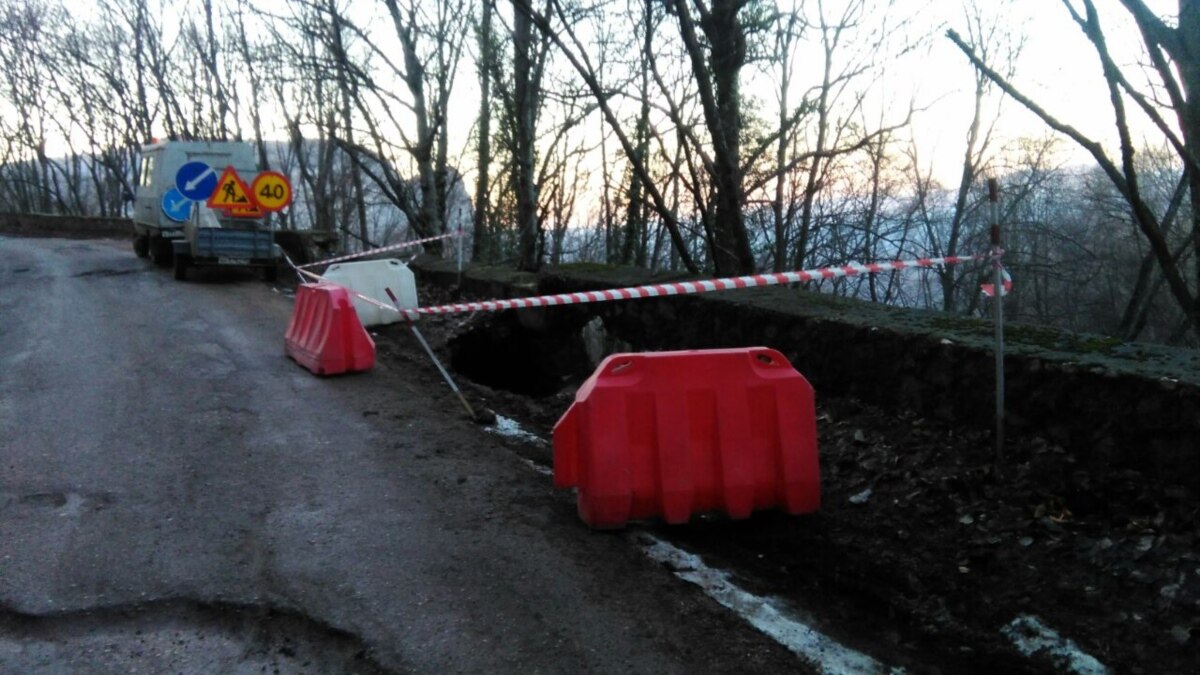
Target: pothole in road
[
  {"x": 107, "y": 273},
  {"x": 67, "y": 503},
  {"x": 505, "y": 354},
  {"x": 181, "y": 636},
  {"x": 51, "y": 499}
]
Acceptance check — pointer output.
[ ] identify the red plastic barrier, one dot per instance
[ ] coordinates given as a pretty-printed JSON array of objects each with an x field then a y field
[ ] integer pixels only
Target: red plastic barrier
[
  {"x": 678, "y": 433},
  {"x": 325, "y": 335}
]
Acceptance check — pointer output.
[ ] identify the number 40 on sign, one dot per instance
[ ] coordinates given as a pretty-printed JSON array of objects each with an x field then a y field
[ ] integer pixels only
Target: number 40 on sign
[{"x": 271, "y": 190}]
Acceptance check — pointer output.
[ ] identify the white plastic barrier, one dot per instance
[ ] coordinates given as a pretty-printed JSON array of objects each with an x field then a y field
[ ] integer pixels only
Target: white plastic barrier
[{"x": 372, "y": 278}]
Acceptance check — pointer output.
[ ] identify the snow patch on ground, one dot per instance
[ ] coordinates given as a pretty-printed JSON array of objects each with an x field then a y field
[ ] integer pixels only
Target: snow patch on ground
[
  {"x": 509, "y": 428},
  {"x": 767, "y": 615},
  {"x": 1032, "y": 637}
]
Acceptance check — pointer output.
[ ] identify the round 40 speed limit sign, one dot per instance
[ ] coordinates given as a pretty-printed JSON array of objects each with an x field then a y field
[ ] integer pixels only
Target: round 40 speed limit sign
[{"x": 272, "y": 190}]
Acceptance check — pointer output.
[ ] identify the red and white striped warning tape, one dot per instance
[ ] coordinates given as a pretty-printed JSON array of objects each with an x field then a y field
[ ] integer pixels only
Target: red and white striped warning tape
[
  {"x": 690, "y": 287},
  {"x": 669, "y": 289},
  {"x": 384, "y": 249}
]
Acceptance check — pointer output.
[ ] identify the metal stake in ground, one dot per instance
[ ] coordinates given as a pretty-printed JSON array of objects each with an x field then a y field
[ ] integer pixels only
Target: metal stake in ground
[
  {"x": 998, "y": 298},
  {"x": 433, "y": 357},
  {"x": 295, "y": 269}
]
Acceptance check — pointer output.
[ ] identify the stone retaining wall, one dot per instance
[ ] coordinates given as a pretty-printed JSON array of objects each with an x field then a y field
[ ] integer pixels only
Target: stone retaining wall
[{"x": 73, "y": 227}]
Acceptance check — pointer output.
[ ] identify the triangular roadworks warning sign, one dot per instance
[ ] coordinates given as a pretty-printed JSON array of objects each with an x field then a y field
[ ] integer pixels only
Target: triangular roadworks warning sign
[{"x": 232, "y": 193}]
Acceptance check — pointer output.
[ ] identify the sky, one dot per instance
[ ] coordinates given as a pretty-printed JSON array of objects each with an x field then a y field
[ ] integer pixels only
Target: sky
[{"x": 1057, "y": 67}]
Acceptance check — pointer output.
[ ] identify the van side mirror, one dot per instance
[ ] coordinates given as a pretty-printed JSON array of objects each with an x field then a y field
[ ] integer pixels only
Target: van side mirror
[{"x": 127, "y": 196}]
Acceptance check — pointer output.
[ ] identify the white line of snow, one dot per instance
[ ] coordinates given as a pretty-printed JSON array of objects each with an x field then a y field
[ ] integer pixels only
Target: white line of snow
[
  {"x": 1032, "y": 637},
  {"x": 544, "y": 470},
  {"x": 767, "y": 615}
]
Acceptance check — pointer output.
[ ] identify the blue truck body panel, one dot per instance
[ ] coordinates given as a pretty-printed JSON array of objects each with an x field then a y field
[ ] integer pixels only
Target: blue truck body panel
[{"x": 234, "y": 244}]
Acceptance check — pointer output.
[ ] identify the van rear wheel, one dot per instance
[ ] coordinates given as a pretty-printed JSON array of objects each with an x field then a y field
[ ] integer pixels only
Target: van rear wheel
[
  {"x": 141, "y": 245},
  {"x": 182, "y": 263},
  {"x": 161, "y": 251}
]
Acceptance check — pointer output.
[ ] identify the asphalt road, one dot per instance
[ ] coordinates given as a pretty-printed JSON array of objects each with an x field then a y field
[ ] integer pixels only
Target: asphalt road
[{"x": 177, "y": 495}]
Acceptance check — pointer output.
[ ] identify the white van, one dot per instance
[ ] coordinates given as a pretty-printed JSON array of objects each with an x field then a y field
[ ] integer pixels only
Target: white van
[{"x": 153, "y": 229}]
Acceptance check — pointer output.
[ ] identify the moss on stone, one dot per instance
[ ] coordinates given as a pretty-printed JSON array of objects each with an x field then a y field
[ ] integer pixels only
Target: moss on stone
[{"x": 586, "y": 267}]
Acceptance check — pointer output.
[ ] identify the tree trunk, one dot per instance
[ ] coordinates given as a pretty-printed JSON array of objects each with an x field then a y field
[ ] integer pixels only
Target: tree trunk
[
  {"x": 783, "y": 52},
  {"x": 813, "y": 179},
  {"x": 484, "y": 142},
  {"x": 221, "y": 129},
  {"x": 635, "y": 214},
  {"x": 718, "y": 81},
  {"x": 430, "y": 222},
  {"x": 971, "y": 161},
  {"x": 524, "y": 107}
]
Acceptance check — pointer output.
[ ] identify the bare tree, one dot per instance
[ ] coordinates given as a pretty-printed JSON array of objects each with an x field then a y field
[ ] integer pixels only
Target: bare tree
[
  {"x": 633, "y": 249},
  {"x": 577, "y": 56},
  {"x": 23, "y": 28},
  {"x": 718, "y": 74},
  {"x": 347, "y": 91},
  {"x": 209, "y": 50},
  {"x": 524, "y": 115},
  {"x": 1176, "y": 64},
  {"x": 788, "y": 28},
  {"x": 851, "y": 44},
  {"x": 250, "y": 60},
  {"x": 945, "y": 232},
  {"x": 485, "y": 64},
  {"x": 305, "y": 94}
]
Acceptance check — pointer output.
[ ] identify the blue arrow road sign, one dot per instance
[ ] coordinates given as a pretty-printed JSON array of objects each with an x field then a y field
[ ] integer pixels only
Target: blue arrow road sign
[
  {"x": 175, "y": 206},
  {"x": 196, "y": 181}
]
